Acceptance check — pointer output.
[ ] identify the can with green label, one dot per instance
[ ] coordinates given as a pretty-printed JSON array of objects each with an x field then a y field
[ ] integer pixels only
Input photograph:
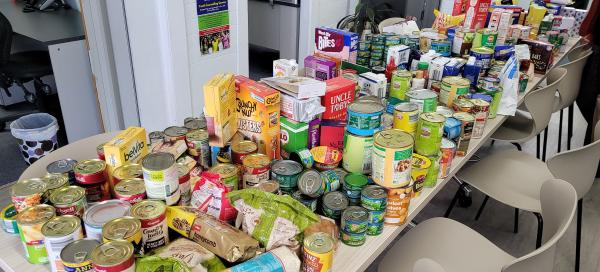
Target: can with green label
[
  {"x": 286, "y": 173},
  {"x": 432, "y": 174},
  {"x": 427, "y": 100},
  {"x": 30, "y": 222},
  {"x": 357, "y": 153},
  {"x": 400, "y": 84},
  {"x": 430, "y": 130},
  {"x": 375, "y": 226}
]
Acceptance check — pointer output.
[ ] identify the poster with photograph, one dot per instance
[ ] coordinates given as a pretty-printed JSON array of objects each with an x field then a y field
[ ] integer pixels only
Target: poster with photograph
[{"x": 213, "y": 26}]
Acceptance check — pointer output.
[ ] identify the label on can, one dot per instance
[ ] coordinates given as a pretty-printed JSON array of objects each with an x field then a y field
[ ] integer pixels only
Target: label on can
[
  {"x": 420, "y": 168},
  {"x": 453, "y": 87},
  {"x": 398, "y": 204},
  {"x": 59, "y": 232},
  {"x": 425, "y": 99},
  {"x": 430, "y": 130},
  {"x": 357, "y": 153},
  {"x": 467, "y": 121},
  {"x": 364, "y": 117},
  {"x": 155, "y": 232},
  {"x": 406, "y": 115},
  {"x": 161, "y": 177},
  {"x": 447, "y": 151},
  {"x": 27, "y": 193},
  {"x": 9, "y": 219},
  {"x": 228, "y": 174},
  {"x": 392, "y": 158},
  {"x": 355, "y": 219},
  {"x": 353, "y": 239},
  {"x": 373, "y": 197},
  {"x": 331, "y": 180},
  {"x": 131, "y": 190},
  {"x": 256, "y": 169},
  {"x": 400, "y": 84},
  {"x": 69, "y": 201},
  {"x": 375, "y": 226},
  {"x": 30, "y": 222},
  {"x": 318, "y": 252}
]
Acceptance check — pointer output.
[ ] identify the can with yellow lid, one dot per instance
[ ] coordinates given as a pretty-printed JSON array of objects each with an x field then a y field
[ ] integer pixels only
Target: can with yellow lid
[
  {"x": 27, "y": 193},
  {"x": 30, "y": 222},
  {"x": 58, "y": 232},
  {"x": 125, "y": 228},
  {"x": 69, "y": 200},
  {"x": 152, "y": 215},
  {"x": 392, "y": 150}
]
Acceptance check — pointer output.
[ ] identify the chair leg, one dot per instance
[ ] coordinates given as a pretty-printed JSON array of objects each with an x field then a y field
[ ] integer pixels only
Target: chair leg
[
  {"x": 518, "y": 146},
  {"x": 560, "y": 127},
  {"x": 578, "y": 242},
  {"x": 570, "y": 126},
  {"x": 537, "y": 147},
  {"x": 485, "y": 200},
  {"x": 540, "y": 230},
  {"x": 493, "y": 142},
  {"x": 453, "y": 202},
  {"x": 516, "y": 227},
  {"x": 545, "y": 145}
]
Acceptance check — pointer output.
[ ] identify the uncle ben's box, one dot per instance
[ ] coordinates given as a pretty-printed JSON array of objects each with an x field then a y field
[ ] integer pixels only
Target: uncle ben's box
[
  {"x": 129, "y": 146},
  {"x": 258, "y": 108},
  {"x": 340, "y": 92}
]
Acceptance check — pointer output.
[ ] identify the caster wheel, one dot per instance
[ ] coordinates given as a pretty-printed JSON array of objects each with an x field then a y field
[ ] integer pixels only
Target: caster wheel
[
  {"x": 30, "y": 98},
  {"x": 46, "y": 89},
  {"x": 464, "y": 200}
]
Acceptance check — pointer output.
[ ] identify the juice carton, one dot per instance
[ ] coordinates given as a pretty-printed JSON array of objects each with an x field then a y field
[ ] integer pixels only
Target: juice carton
[
  {"x": 258, "y": 108},
  {"x": 337, "y": 43},
  {"x": 129, "y": 146},
  {"x": 294, "y": 135},
  {"x": 219, "y": 95},
  {"x": 339, "y": 93}
]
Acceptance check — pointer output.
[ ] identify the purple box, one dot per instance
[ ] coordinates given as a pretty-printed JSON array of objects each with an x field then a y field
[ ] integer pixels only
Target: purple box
[
  {"x": 314, "y": 131},
  {"x": 319, "y": 69}
]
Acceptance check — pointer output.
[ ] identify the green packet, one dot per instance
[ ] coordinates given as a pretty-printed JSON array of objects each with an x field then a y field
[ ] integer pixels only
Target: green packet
[
  {"x": 190, "y": 253},
  {"x": 160, "y": 264}
]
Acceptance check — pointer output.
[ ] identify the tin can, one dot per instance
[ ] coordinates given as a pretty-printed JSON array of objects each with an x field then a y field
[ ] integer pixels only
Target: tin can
[
  {"x": 392, "y": 150},
  {"x": 483, "y": 56},
  {"x": 304, "y": 157},
  {"x": 481, "y": 109},
  {"x": 463, "y": 105},
  {"x": 467, "y": 121},
  {"x": 100, "y": 151},
  {"x": 256, "y": 169},
  {"x": 98, "y": 214},
  {"x": 114, "y": 256},
  {"x": 311, "y": 183},
  {"x": 318, "y": 252},
  {"x": 30, "y": 222},
  {"x": 375, "y": 225},
  {"x": 269, "y": 187},
  {"x": 54, "y": 182},
  {"x": 441, "y": 46},
  {"x": 185, "y": 186},
  {"x": 64, "y": 166},
  {"x": 433, "y": 172},
  {"x": 420, "y": 168},
  {"x": 485, "y": 38},
  {"x": 425, "y": 99},
  {"x": 241, "y": 149},
  {"x": 161, "y": 177},
  {"x": 406, "y": 115},
  {"x": 128, "y": 229},
  {"x": 355, "y": 219},
  {"x": 353, "y": 239},
  {"x": 307, "y": 201},
  {"x": 58, "y": 232},
  {"x": 9, "y": 219},
  {"x": 127, "y": 171},
  {"x": 430, "y": 130},
  {"x": 197, "y": 143},
  {"x": 373, "y": 197},
  {"x": 353, "y": 185},
  {"x": 69, "y": 200},
  {"x": 156, "y": 137},
  {"x": 131, "y": 190},
  {"x": 76, "y": 256},
  {"x": 341, "y": 173},
  {"x": 326, "y": 157},
  {"x": 400, "y": 84},
  {"x": 155, "y": 232},
  {"x": 333, "y": 204},
  {"x": 175, "y": 133},
  {"x": 228, "y": 174},
  {"x": 194, "y": 123},
  {"x": 357, "y": 153},
  {"x": 444, "y": 111},
  {"x": 396, "y": 211},
  {"x": 332, "y": 180},
  {"x": 286, "y": 173},
  {"x": 452, "y": 88},
  {"x": 91, "y": 175},
  {"x": 27, "y": 193},
  {"x": 364, "y": 117},
  {"x": 447, "y": 151}
]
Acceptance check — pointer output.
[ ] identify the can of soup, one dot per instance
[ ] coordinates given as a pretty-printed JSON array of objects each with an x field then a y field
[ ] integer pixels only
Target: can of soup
[
  {"x": 197, "y": 143},
  {"x": 256, "y": 169},
  {"x": 65, "y": 167},
  {"x": 175, "y": 133},
  {"x": 228, "y": 174},
  {"x": 373, "y": 198},
  {"x": 161, "y": 177},
  {"x": 332, "y": 180},
  {"x": 396, "y": 211},
  {"x": 425, "y": 99},
  {"x": 30, "y": 222},
  {"x": 127, "y": 171},
  {"x": 355, "y": 219},
  {"x": 125, "y": 228},
  {"x": 311, "y": 183},
  {"x": 58, "y": 232},
  {"x": 318, "y": 252},
  {"x": 54, "y": 182},
  {"x": 392, "y": 150},
  {"x": 9, "y": 219},
  {"x": 286, "y": 173},
  {"x": 77, "y": 255},
  {"x": 69, "y": 200},
  {"x": 241, "y": 149},
  {"x": 357, "y": 153},
  {"x": 27, "y": 193},
  {"x": 333, "y": 204},
  {"x": 307, "y": 201},
  {"x": 481, "y": 109},
  {"x": 155, "y": 232},
  {"x": 467, "y": 121},
  {"x": 452, "y": 88},
  {"x": 420, "y": 168},
  {"x": 406, "y": 115},
  {"x": 131, "y": 190},
  {"x": 98, "y": 214},
  {"x": 364, "y": 117},
  {"x": 91, "y": 175},
  {"x": 430, "y": 130},
  {"x": 114, "y": 256}
]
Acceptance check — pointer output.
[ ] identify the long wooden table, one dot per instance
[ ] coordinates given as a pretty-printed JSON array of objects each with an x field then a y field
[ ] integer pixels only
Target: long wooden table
[{"x": 347, "y": 258}]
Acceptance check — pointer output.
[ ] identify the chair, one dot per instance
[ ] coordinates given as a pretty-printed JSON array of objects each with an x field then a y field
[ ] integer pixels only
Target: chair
[
  {"x": 457, "y": 248},
  {"x": 83, "y": 149}
]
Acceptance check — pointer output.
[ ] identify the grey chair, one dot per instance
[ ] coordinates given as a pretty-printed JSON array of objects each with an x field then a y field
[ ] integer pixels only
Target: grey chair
[{"x": 456, "y": 248}]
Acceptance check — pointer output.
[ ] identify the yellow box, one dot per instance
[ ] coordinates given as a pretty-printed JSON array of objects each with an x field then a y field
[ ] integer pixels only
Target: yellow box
[
  {"x": 219, "y": 101},
  {"x": 127, "y": 147}
]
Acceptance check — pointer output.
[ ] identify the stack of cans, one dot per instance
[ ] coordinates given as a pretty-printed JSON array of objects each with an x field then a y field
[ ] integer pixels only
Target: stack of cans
[
  {"x": 377, "y": 49},
  {"x": 391, "y": 39},
  {"x": 354, "y": 225},
  {"x": 374, "y": 199},
  {"x": 364, "y": 51},
  {"x": 353, "y": 185}
]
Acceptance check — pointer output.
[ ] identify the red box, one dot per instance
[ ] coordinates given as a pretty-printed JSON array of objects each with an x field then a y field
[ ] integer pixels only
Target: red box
[
  {"x": 477, "y": 12},
  {"x": 332, "y": 133},
  {"x": 460, "y": 7},
  {"x": 339, "y": 94}
]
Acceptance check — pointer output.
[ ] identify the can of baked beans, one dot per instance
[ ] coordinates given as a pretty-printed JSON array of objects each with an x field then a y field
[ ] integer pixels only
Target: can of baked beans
[
  {"x": 241, "y": 149},
  {"x": 131, "y": 190},
  {"x": 65, "y": 167},
  {"x": 175, "y": 133},
  {"x": 197, "y": 143},
  {"x": 256, "y": 169},
  {"x": 69, "y": 200},
  {"x": 76, "y": 256},
  {"x": 30, "y": 222},
  {"x": 161, "y": 177},
  {"x": 127, "y": 171},
  {"x": 185, "y": 187},
  {"x": 125, "y": 228},
  {"x": 114, "y": 256},
  {"x": 97, "y": 215},
  {"x": 58, "y": 232},
  {"x": 91, "y": 175},
  {"x": 152, "y": 215},
  {"x": 27, "y": 193}
]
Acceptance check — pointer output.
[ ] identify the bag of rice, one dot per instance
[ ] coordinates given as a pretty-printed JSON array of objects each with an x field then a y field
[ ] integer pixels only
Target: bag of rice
[
  {"x": 195, "y": 256},
  {"x": 279, "y": 259}
]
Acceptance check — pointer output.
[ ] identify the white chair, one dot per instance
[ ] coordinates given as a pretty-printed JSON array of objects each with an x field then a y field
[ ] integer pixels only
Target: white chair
[{"x": 457, "y": 248}]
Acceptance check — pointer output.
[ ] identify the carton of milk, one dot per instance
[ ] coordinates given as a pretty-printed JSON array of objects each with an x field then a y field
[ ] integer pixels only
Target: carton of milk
[{"x": 336, "y": 43}]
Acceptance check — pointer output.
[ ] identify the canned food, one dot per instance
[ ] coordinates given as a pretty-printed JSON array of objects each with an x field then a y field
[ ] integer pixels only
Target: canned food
[
  {"x": 241, "y": 149},
  {"x": 462, "y": 43},
  {"x": 156, "y": 137},
  {"x": 27, "y": 193},
  {"x": 483, "y": 56},
  {"x": 481, "y": 109},
  {"x": 194, "y": 123},
  {"x": 392, "y": 158},
  {"x": 69, "y": 200},
  {"x": 447, "y": 151},
  {"x": 406, "y": 115},
  {"x": 434, "y": 170},
  {"x": 307, "y": 201},
  {"x": 114, "y": 256},
  {"x": 228, "y": 174},
  {"x": 185, "y": 186},
  {"x": 420, "y": 168},
  {"x": 155, "y": 232},
  {"x": 341, "y": 173},
  {"x": 333, "y": 204},
  {"x": 375, "y": 226},
  {"x": 467, "y": 121},
  {"x": 131, "y": 190},
  {"x": 97, "y": 215},
  {"x": 396, "y": 211},
  {"x": 355, "y": 219},
  {"x": 54, "y": 182},
  {"x": 364, "y": 117},
  {"x": 256, "y": 169},
  {"x": 452, "y": 88},
  {"x": 161, "y": 177},
  {"x": 77, "y": 255},
  {"x": 425, "y": 99},
  {"x": 463, "y": 105},
  {"x": 430, "y": 130},
  {"x": 175, "y": 133},
  {"x": 100, "y": 151},
  {"x": 30, "y": 222},
  {"x": 357, "y": 153},
  {"x": 9, "y": 219},
  {"x": 373, "y": 197},
  {"x": 304, "y": 157},
  {"x": 91, "y": 175},
  {"x": 354, "y": 184},
  {"x": 269, "y": 187},
  {"x": 441, "y": 46},
  {"x": 286, "y": 173},
  {"x": 444, "y": 111},
  {"x": 318, "y": 252},
  {"x": 197, "y": 143},
  {"x": 400, "y": 84},
  {"x": 127, "y": 171},
  {"x": 58, "y": 232},
  {"x": 326, "y": 157},
  {"x": 64, "y": 166},
  {"x": 125, "y": 228},
  {"x": 311, "y": 183},
  {"x": 332, "y": 180},
  {"x": 486, "y": 38},
  {"x": 353, "y": 239}
]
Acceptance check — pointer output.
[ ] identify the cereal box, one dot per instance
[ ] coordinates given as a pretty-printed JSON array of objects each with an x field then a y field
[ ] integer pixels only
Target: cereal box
[
  {"x": 258, "y": 107},
  {"x": 339, "y": 93},
  {"x": 219, "y": 95},
  {"x": 127, "y": 147},
  {"x": 477, "y": 11},
  {"x": 337, "y": 43}
]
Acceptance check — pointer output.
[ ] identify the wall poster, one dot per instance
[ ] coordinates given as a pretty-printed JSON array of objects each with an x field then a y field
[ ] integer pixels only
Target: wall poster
[{"x": 213, "y": 26}]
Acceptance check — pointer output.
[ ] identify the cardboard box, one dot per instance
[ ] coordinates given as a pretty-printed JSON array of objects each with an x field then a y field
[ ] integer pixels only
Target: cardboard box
[
  {"x": 332, "y": 133},
  {"x": 477, "y": 11},
  {"x": 336, "y": 43},
  {"x": 258, "y": 107},
  {"x": 339, "y": 93},
  {"x": 294, "y": 135},
  {"x": 541, "y": 55},
  {"x": 319, "y": 69},
  {"x": 219, "y": 95},
  {"x": 129, "y": 146}
]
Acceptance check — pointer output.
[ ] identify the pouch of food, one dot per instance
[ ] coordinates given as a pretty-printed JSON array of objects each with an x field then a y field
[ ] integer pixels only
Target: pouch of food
[
  {"x": 208, "y": 195},
  {"x": 279, "y": 259},
  {"x": 273, "y": 220},
  {"x": 195, "y": 256},
  {"x": 155, "y": 263}
]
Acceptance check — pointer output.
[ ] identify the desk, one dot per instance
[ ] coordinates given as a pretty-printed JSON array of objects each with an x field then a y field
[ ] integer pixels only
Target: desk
[{"x": 346, "y": 258}]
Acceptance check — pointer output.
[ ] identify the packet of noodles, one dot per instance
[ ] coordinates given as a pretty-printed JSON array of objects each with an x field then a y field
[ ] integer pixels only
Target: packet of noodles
[
  {"x": 195, "y": 256},
  {"x": 273, "y": 220},
  {"x": 154, "y": 263}
]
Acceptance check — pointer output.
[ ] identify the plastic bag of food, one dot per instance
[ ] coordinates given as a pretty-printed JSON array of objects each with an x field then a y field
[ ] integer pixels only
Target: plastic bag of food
[
  {"x": 326, "y": 225},
  {"x": 195, "y": 256},
  {"x": 273, "y": 220},
  {"x": 160, "y": 264},
  {"x": 279, "y": 259},
  {"x": 208, "y": 196}
]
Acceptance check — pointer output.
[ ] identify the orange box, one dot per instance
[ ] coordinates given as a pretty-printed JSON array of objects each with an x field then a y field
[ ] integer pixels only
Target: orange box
[{"x": 258, "y": 108}]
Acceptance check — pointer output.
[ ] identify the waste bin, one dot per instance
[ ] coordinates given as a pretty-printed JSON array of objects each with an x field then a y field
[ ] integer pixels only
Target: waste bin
[{"x": 36, "y": 134}]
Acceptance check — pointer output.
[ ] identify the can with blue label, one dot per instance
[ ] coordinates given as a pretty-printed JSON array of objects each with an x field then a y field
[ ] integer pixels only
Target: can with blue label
[
  {"x": 304, "y": 157},
  {"x": 364, "y": 117},
  {"x": 483, "y": 56},
  {"x": 441, "y": 46},
  {"x": 452, "y": 128},
  {"x": 375, "y": 225}
]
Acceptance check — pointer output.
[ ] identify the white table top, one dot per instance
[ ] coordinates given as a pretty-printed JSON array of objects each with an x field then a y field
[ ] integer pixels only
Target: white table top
[{"x": 347, "y": 258}]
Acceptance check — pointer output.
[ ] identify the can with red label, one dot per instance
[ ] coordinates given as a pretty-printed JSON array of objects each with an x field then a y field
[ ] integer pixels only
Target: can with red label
[
  {"x": 241, "y": 149},
  {"x": 114, "y": 256},
  {"x": 127, "y": 171},
  {"x": 131, "y": 190},
  {"x": 185, "y": 189},
  {"x": 69, "y": 200},
  {"x": 175, "y": 133},
  {"x": 256, "y": 169},
  {"x": 28, "y": 193},
  {"x": 91, "y": 175},
  {"x": 481, "y": 109},
  {"x": 100, "y": 151},
  {"x": 152, "y": 215}
]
